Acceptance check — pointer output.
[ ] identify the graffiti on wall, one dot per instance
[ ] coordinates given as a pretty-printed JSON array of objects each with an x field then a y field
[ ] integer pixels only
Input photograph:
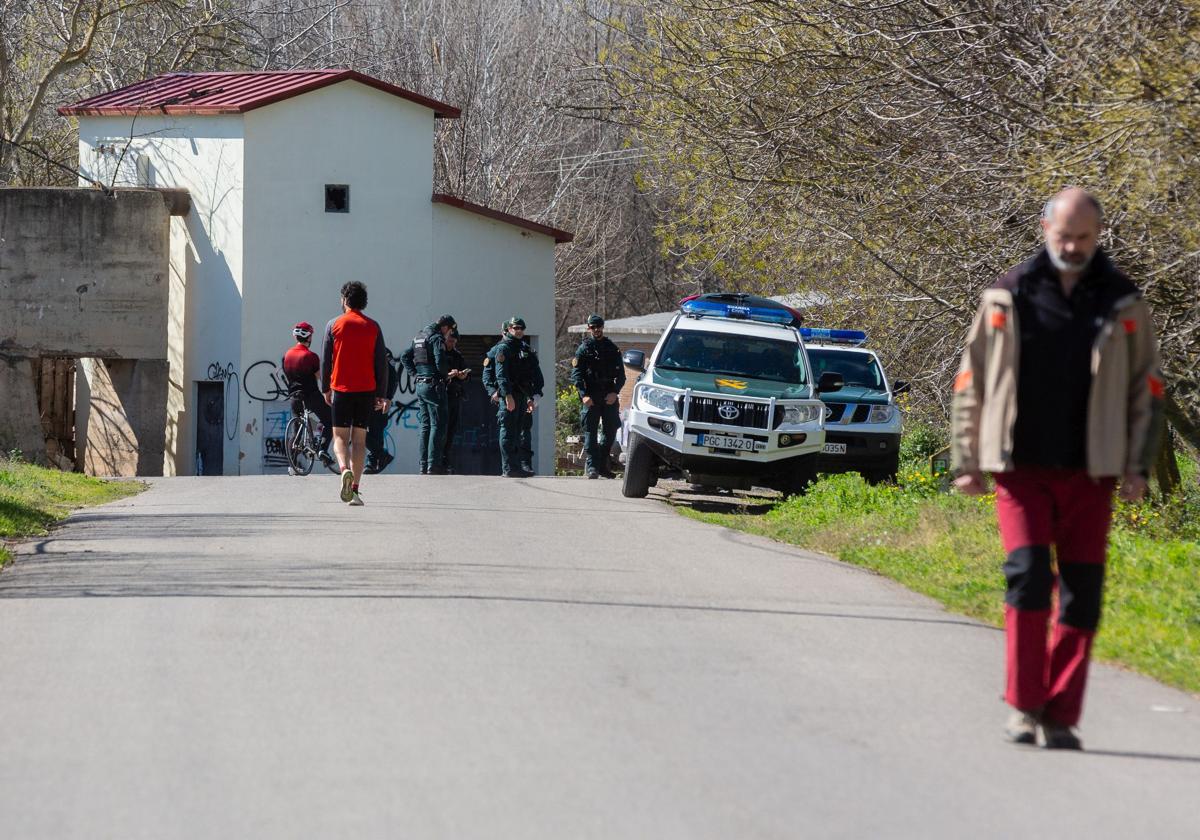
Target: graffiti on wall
[
  {"x": 228, "y": 374},
  {"x": 274, "y": 424},
  {"x": 265, "y": 382}
]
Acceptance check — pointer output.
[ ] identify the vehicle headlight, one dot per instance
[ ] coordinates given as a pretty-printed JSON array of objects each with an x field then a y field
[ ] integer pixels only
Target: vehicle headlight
[
  {"x": 796, "y": 414},
  {"x": 656, "y": 399},
  {"x": 880, "y": 414}
]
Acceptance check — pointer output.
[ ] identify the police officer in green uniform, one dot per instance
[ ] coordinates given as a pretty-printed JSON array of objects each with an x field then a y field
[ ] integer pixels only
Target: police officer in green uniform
[
  {"x": 455, "y": 393},
  {"x": 426, "y": 363},
  {"x": 489, "y": 366},
  {"x": 598, "y": 373},
  {"x": 515, "y": 388}
]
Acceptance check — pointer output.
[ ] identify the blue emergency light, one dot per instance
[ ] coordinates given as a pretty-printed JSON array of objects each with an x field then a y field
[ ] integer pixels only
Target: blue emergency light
[
  {"x": 855, "y": 337},
  {"x": 700, "y": 307}
]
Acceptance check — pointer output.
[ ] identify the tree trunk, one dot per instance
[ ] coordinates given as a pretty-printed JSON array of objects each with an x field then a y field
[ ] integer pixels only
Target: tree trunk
[
  {"x": 1166, "y": 470},
  {"x": 1183, "y": 423}
]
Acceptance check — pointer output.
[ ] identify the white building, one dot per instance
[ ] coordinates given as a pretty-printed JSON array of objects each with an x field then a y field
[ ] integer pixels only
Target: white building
[{"x": 300, "y": 181}]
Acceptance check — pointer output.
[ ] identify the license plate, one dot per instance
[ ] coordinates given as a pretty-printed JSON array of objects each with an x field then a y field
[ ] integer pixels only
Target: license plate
[
  {"x": 834, "y": 449},
  {"x": 726, "y": 442}
]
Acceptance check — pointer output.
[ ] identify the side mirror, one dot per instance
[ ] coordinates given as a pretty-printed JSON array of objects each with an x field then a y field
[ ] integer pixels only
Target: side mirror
[
  {"x": 635, "y": 359},
  {"x": 900, "y": 387},
  {"x": 830, "y": 382}
]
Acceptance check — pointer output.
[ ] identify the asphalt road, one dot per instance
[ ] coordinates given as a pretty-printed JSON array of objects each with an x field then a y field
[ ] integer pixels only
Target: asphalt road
[{"x": 248, "y": 657}]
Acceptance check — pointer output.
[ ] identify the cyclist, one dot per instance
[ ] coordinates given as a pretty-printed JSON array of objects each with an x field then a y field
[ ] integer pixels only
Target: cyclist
[{"x": 300, "y": 368}]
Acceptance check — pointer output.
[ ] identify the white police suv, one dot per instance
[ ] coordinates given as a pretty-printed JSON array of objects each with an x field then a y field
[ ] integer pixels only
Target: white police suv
[
  {"x": 862, "y": 421},
  {"x": 728, "y": 398}
]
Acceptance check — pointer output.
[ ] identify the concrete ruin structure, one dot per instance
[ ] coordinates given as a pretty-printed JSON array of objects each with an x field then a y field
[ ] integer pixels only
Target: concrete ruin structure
[
  {"x": 299, "y": 181},
  {"x": 84, "y": 275}
]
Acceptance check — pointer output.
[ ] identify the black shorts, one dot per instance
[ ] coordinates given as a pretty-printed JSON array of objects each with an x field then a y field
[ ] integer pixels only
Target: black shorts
[{"x": 352, "y": 409}]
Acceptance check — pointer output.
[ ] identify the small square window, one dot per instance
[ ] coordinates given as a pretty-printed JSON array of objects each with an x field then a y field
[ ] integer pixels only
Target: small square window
[{"x": 337, "y": 198}]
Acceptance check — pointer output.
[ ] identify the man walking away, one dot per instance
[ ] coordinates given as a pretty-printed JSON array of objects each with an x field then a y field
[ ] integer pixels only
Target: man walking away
[
  {"x": 354, "y": 379},
  {"x": 455, "y": 394},
  {"x": 1058, "y": 396},
  {"x": 300, "y": 368},
  {"x": 598, "y": 373},
  {"x": 425, "y": 363},
  {"x": 377, "y": 455},
  {"x": 515, "y": 385}
]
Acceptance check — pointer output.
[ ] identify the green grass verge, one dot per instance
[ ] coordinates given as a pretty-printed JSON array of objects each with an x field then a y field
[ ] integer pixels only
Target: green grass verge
[
  {"x": 33, "y": 498},
  {"x": 946, "y": 546}
]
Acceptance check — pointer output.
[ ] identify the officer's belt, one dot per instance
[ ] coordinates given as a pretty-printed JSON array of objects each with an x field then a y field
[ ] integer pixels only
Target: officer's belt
[{"x": 426, "y": 379}]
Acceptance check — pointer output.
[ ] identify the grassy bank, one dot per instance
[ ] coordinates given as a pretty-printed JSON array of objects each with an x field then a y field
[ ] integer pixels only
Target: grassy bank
[
  {"x": 32, "y": 498},
  {"x": 946, "y": 546}
]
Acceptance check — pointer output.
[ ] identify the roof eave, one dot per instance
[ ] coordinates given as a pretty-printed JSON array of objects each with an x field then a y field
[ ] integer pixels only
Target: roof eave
[
  {"x": 559, "y": 236},
  {"x": 441, "y": 110}
]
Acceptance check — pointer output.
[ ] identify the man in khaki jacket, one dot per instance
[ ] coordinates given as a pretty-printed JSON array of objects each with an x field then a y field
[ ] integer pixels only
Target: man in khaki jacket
[{"x": 1058, "y": 396}]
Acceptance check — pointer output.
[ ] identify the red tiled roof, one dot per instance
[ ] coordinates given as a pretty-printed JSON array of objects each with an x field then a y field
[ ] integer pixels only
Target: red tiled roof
[
  {"x": 230, "y": 93},
  {"x": 508, "y": 218}
]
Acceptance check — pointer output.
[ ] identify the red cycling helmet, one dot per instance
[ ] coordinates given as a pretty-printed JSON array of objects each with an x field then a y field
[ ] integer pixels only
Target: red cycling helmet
[{"x": 303, "y": 331}]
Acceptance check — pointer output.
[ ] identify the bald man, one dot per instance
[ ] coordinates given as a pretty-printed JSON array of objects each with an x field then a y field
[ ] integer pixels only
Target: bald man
[{"x": 1059, "y": 396}]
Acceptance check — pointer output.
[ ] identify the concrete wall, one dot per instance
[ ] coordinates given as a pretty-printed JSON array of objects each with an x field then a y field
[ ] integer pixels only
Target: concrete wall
[
  {"x": 125, "y": 430},
  {"x": 204, "y": 311},
  {"x": 85, "y": 274},
  {"x": 82, "y": 273},
  {"x": 485, "y": 271}
]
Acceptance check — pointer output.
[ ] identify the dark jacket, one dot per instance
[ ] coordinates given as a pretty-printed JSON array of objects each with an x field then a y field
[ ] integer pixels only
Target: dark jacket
[{"x": 597, "y": 369}]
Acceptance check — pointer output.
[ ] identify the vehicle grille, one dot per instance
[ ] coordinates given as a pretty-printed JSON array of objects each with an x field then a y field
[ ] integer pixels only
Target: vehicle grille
[
  {"x": 835, "y": 412},
  {"x": 861, "y": 413},
  {"x": 749, "y": 415}
]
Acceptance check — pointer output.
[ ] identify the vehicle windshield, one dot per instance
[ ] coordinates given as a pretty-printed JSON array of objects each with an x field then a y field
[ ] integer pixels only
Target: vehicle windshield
[
  {"x": 857, "y": 369},
  {"x": 733, "y": 355}
]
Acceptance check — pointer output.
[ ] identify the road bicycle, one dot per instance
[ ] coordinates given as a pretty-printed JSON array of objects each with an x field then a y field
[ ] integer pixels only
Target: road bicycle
[{"x": 300, "y": 444}]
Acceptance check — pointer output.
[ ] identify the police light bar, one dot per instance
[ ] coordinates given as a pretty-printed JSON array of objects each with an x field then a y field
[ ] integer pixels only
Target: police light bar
[
  {"x": 699, "y": 308},
  {"x": 855, "y": 337}
]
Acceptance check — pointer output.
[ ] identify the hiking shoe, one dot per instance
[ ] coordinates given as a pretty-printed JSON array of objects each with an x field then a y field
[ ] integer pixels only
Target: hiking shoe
[
  {"x": 608, "y": 474},
  {"x": 593, "y": 474},
  {"x": 1021, "y": 727},
  {"x": 383, "y": 460},
  {"x": 1055, "y": 736},
  {"x": 347, "y": 485},
  {"x": 355, "y": 500}
]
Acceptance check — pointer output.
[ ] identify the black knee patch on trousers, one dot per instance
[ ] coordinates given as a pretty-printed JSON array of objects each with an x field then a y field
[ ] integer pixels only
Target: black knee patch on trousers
[
  {"x": 1030, "y": 580},
  {"x": 1080, "y": 593}
]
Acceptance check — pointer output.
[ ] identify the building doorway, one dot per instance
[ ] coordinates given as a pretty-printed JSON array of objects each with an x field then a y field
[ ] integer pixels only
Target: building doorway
[{"x": 210, "y": 428}]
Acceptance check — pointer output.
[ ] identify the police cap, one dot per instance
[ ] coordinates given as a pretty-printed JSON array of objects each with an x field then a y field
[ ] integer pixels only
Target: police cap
[
  {"x": 595, "y": 320},
  {"x": 447, "y": 321},
  {"x": 516, "y": 321}
]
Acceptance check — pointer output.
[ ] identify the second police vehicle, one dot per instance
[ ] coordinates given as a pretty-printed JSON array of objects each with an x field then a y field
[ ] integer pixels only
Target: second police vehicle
[
  {"x": 862, "y": 420},
  {"x": 728, "y": 398}
]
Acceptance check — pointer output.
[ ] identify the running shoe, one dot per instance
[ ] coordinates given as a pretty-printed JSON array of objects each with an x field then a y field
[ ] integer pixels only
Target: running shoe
[
  {"x": 1055, "y": 736},
  {"x": 355, "y": 500},
  {"x": 347, "y": 485},
  {"x": 1021, "y": 727}
]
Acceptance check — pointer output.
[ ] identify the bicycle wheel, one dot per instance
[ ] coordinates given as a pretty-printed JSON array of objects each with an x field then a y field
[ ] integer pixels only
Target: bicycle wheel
[{"x": 297, "y": 441}]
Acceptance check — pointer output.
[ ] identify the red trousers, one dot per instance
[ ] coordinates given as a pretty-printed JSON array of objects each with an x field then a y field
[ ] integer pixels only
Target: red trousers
[{"x": 1038, "y": 508}]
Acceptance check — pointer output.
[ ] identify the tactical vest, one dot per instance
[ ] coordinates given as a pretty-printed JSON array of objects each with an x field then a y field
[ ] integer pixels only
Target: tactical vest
[{"x": 421, "y": 354}]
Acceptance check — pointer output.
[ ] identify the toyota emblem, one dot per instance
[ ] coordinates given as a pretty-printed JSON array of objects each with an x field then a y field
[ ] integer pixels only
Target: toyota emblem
[{"x": 728, "y": 411}]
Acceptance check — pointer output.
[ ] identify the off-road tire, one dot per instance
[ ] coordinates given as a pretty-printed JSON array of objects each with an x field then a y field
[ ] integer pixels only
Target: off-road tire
[
  {"x": 639, "y": 461},
  {"x": 803, "y": 475},
  {"x": 887, "y": 475}
]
